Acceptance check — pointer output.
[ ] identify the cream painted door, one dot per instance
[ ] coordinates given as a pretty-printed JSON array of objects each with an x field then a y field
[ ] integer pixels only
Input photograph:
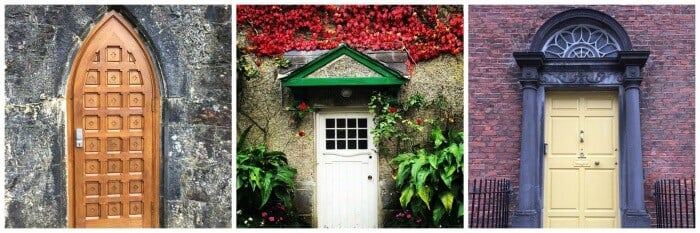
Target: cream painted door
[
  {"x": 347, "y": 171},
  {"x": 581, "y": 163}
]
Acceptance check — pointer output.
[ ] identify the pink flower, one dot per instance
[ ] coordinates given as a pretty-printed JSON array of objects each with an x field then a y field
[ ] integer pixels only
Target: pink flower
[
  {"x": 419, "y": 220},
  {"x": 281, "y": 207},
  {"x": 264, "y": 214},
  {"x": 271, "y": 219},
  {"x": 281, "y": 219},
  {"x": 408, "y": 216},
  {"x": 400, "y": 215},
  {"x": 302, "y": 106}
]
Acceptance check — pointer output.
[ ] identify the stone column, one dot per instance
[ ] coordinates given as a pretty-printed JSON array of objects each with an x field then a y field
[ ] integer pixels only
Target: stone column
[
  {"x": 527, "y": 214},
  {"x": 635, "y": 215}
]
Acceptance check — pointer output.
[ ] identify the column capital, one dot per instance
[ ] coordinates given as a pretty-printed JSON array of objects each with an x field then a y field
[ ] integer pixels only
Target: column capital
[{"x": 530, "y": 63}]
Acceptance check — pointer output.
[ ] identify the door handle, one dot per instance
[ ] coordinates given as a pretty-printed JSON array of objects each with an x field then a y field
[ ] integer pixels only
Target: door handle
[
  {"x": 580, "y": 136},
  {"x": 79, "y": 137},
  {"x": 597, "y": 163},
  {"x": 369, "y": 177}
]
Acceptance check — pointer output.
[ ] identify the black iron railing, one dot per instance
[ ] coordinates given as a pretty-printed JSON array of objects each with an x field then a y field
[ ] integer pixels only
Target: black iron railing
[
  {"x": 489, "y": 203},
  {"x": 675, "y": 203}
]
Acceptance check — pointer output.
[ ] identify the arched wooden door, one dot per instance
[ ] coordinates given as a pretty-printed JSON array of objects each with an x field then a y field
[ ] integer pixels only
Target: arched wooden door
[{"x": 113, "y": 130}]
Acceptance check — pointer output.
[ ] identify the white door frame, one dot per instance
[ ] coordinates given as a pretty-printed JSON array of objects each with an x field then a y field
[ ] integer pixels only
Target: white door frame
[{"x": 324, "y": 212}]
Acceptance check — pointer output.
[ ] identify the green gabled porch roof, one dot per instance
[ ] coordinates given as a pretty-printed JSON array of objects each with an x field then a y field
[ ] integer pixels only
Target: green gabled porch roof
[{"x": 385, "y": 74}]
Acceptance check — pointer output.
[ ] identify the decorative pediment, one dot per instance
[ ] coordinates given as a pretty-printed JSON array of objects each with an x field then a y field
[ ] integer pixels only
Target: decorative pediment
[{"x": 343, "y": 66}]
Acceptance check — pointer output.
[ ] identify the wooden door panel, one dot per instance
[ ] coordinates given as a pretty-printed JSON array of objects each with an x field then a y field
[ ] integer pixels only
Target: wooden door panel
[
  {"x": 599, "y": 193},
  {"x": 113, "y": 98},
  {"x": 581, "y": 175}
]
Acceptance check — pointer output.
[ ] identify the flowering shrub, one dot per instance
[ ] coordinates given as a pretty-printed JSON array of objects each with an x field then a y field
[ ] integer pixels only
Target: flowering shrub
[
  {"x": 273, "y": 215},
  {"x": 424, "y": 31},
  {"x": 390, "y": 122},
  {"x": 404, "y": 218},
  {"x": 299, "y": 110}
]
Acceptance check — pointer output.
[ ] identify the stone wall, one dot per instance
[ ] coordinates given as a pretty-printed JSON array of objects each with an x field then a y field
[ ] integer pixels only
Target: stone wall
[
  {"x": 667, "y": 92},
  {"x": 191, "y": 46},
  {"x": 262, "y": 100}
]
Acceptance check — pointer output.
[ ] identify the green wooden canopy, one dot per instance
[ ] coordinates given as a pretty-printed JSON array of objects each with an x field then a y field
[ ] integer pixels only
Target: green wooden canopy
[{"x": 376, "y": 73}]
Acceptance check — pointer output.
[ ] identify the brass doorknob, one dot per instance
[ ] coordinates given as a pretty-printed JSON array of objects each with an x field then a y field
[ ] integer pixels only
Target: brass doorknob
[
  {"x": 369, "y": 177},
  {"x": 597, "y": 163}
]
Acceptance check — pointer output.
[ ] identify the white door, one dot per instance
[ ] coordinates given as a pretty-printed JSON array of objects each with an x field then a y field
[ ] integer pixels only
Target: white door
[{"x": 347, "y": 170}]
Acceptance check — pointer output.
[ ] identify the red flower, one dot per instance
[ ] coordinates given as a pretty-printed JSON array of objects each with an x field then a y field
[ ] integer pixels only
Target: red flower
[
  {"x": 419, "y": 121},
  {"x": 301, "y": 134},
  {"x": 302, "y": 106},
  {"x": 392, "y": 109}
]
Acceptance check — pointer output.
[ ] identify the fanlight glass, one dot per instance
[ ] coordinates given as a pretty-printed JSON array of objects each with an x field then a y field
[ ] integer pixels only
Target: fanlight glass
[{"x": 581, "y": 41}]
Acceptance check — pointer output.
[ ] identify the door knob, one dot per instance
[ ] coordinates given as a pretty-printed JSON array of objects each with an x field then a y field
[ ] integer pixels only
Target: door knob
[
  {"x": 597, "y": 163},
  {"x": 369, "y": 177}
]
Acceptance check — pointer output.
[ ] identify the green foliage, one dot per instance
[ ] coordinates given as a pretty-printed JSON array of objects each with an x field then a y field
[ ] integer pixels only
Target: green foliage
[
  {"x": 431, "y": 179},
  {"x": 429, "y": 173},
  {"x": 391, "y": 123},
  {"x": 246, "y": 67},
  {"x": 282, "y": 62},
  {"x": 263, "y": 179}
]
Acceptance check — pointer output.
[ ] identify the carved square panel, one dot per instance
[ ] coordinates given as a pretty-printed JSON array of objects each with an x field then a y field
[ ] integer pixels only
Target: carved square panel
[
  {"x": 135, "y": 77},
  {"x": 92, "y": 188},
  {"x": 114, "y": 77},
  {"x": 114, "y": 100},
  {"x": 92, "y": 77},
  {"x": 114, "y": 144},
  {"x": 92, "y": 144},
  {"x": 136, "y": 165},
  {"x": 114, "y": 187},
  {"x": 135, "y": 207},
  {"x": 114, "y": 122},
  {"x": 114, "y": 166},
  {"x": 114, "y": 209},
  {"x": 92, "y": 100},
  {"x": 135, "y": 122},
  {"x": 92, "y": 123},
  {"x": 114, "y": 53},
  {"x": 135, "y": 99},
  {"x": 135, "y": 143},
  {"x": 92, "y": 166},
  {"x": 135, "y": 186},
  {"x": 92, "y": 210}
]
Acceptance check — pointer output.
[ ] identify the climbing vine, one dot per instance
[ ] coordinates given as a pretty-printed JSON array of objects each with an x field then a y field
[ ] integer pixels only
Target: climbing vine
[{"x": 424, "y": 31}]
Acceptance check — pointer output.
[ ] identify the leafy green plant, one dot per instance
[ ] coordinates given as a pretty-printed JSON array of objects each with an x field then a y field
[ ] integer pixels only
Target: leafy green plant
[
  {"x": 392, "y": 126},
  {"x": 264, "y": 181},
  {"x": 431, "y": 179}
]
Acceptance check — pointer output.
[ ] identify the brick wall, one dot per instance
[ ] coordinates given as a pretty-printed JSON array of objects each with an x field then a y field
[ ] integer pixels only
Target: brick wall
[{"x": 667, "y": 103}]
